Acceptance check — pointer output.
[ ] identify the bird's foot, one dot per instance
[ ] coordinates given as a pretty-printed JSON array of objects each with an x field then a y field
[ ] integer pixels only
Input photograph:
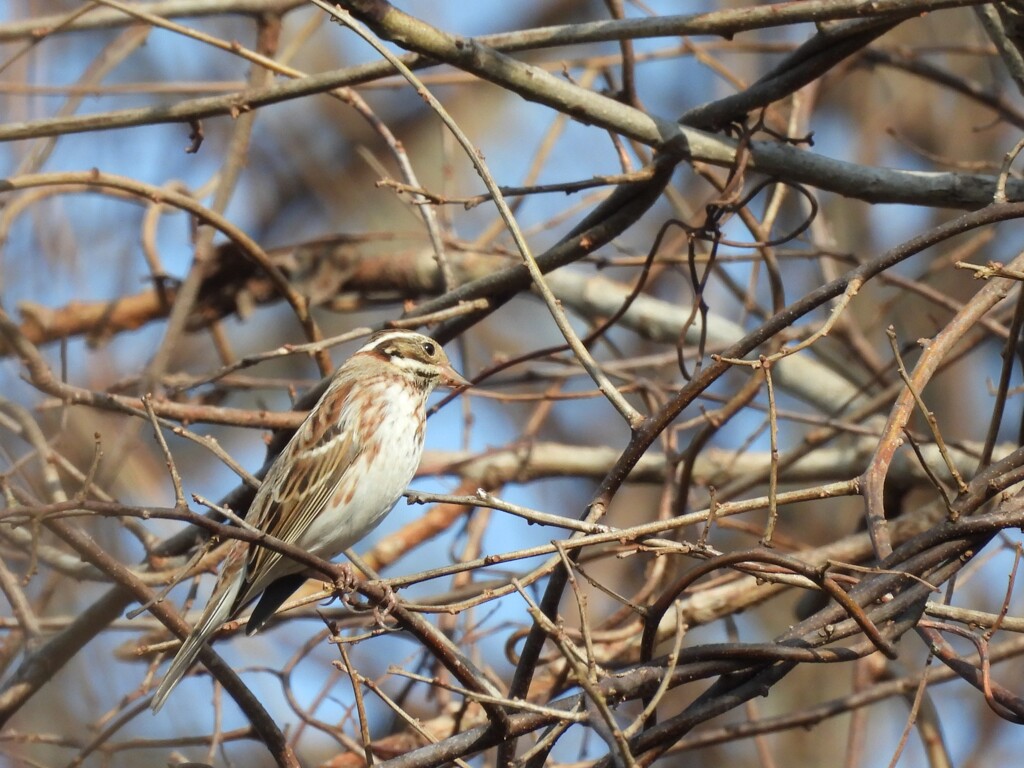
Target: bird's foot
[
  {"x": 387, "y": 603},
  {"x": 345, "y": 580}
]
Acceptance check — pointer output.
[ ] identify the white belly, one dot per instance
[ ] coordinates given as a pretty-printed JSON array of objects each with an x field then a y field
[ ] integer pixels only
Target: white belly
[{"x": 386, "y": 465}]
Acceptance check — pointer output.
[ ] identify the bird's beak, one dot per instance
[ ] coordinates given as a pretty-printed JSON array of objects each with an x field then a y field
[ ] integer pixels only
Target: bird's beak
[{"x": 452, "y": 378}]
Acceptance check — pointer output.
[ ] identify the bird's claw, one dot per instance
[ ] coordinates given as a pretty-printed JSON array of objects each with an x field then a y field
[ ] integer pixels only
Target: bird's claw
[
  {"x": 345, "y": 581},
  {"x": 387, "y": 603}
]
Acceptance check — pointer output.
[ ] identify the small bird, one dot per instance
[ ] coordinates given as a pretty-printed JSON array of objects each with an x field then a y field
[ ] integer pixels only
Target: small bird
[{"x": 340, "y": 474}]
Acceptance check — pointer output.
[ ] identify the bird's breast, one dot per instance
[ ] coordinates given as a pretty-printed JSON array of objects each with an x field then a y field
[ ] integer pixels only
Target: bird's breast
[{"x": 390, "y": 423}]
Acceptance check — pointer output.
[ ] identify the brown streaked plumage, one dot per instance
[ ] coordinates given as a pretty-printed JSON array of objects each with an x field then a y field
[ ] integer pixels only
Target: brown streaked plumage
[{"x": 340, "y": 474}]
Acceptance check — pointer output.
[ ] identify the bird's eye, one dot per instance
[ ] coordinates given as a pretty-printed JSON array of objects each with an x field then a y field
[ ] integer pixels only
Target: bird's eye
[{"x": 430, "y": 348}]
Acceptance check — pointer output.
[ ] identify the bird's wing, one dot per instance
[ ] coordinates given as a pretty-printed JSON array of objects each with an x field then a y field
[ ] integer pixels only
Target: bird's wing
[{"x": 300, "y": 484}]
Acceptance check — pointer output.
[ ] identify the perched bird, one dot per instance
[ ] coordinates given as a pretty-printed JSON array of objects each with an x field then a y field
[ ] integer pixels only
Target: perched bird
[{"x": 339, "y": 475}]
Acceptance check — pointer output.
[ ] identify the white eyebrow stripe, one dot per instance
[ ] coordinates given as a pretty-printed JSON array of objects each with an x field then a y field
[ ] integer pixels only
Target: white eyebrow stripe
[{"x": 376, "y": 341}]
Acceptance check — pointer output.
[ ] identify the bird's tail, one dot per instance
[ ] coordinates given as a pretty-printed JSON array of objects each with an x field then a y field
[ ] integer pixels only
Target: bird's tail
[{"x": 217, "y": 611}]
